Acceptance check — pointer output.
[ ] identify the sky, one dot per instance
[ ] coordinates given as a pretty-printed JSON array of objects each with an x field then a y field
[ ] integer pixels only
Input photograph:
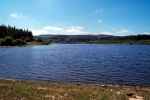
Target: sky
[{"x": 78, "y": 17}]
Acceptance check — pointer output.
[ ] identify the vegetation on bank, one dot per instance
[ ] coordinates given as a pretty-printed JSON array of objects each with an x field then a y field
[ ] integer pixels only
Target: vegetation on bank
[
  {"x": 133, "y": 39},
  {"x": 9, "y": 41},
  {"x": 31, "y": 90},
  {"x": 11, "y": 36},
  {"x": 119, "y": 41}
]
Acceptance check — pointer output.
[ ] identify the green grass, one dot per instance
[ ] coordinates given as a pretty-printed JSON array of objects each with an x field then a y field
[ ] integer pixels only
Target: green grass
[{"x": 36, "y": 90}]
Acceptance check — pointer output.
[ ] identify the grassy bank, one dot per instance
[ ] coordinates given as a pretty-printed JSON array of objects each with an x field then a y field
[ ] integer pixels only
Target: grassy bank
[
  {"x": 32, "y": 90},
  {"x": 147, "y": 42}
]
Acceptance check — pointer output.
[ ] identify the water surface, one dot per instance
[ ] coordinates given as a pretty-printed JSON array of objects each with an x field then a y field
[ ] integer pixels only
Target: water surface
[{"x": 86, "y": 63}]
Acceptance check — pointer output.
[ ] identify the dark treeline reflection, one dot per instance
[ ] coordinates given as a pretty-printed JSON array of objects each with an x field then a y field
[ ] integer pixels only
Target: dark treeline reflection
[{"x": 13, "y": 36}]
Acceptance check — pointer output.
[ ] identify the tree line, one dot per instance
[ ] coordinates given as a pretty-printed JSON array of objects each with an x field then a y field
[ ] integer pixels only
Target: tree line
[{"x": 13, "y": 36}]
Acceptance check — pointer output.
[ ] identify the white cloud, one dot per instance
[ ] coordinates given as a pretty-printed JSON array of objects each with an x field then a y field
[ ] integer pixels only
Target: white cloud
[
  {"x": 17, "y": 16},
  {"x": 53, "y": 28},
  {"x": 75, "y": 30},
  {"x": 119, "y": 32},
  {"x": 39, "y": 32},
  {"x": 146, "y": 33},
  {"x": 107, "y": 33},
  {"x": 14, "y": 15},
  {"x": 70, "y": 30},
  {"x": 123, "y": 31},
  {"x": 79, "y": 30}
]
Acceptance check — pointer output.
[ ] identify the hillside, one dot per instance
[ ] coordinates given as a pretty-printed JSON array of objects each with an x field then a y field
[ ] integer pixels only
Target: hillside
[{"x": 100, "y": 39}]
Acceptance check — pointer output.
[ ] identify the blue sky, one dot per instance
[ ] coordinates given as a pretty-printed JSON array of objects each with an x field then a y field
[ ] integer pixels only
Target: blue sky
[{"x": 116, "y": 17}]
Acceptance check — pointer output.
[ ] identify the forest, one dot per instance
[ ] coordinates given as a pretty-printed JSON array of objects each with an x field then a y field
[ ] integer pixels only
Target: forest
[{"x": 12, "y": 36}]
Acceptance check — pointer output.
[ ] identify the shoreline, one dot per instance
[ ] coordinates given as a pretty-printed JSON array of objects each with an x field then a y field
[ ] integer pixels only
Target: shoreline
[
  {"x": 77, "y": 83},
  {"x": 28, "y": 45},
  {"x": 70, "y": 91}
]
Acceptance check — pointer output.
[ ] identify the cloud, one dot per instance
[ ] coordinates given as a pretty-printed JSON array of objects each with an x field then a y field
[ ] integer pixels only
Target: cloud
[
  {"x": 21, "y": 20},
  {"x": 146, "y": 33},
  {"x": 75, "y": 30},
  {"x": 118, "y": 32},
  {"x": 17, "y": 16},
  {"x": 70, "y": 30},
  {"x": 107, "y": 33},
  {"x": 123, "y": 31},
  {"x": 53, "y": 28}
]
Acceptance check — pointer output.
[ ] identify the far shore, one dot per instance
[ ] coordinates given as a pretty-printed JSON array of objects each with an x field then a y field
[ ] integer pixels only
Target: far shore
[
  {"x": 45, "y": 44},
  {"x": 43, "y": 90}
]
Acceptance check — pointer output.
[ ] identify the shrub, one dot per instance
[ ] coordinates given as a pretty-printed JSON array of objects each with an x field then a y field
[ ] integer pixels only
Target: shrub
[
  {"x": 7, "y": 41},
  {"x": 19, "y": 42}
]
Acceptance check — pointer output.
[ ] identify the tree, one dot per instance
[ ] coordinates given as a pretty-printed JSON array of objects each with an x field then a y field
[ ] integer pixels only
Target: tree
[{"x": 13, "y": 36}]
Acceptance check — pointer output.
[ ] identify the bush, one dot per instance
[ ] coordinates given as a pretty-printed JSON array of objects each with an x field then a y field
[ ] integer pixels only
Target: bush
[
  {"x": 9, "y": 41},
  {"x": 19, "y": 42}
]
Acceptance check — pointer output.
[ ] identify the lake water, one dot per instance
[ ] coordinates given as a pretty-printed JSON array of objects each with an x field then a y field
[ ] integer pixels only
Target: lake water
[{"x": 85, "y": 63}]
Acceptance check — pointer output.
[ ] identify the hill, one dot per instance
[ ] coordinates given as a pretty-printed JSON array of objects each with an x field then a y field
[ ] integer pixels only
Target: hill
[{"x": 99, "y": 39}]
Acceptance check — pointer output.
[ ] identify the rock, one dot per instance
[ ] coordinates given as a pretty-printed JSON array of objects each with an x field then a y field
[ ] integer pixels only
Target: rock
[
  {"x": 136, "y": 98},
  {"x": 66, "y": 94},
  {"x": 118, "y": 93}
]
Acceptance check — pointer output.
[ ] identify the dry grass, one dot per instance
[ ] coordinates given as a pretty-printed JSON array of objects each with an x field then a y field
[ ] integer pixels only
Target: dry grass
[{"x": 29, "y": 90}]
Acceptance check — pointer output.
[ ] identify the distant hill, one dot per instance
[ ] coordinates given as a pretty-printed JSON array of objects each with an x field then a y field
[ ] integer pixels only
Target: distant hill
[
  {"x": 74, "y": 38},
  {"x": 140, "y": 39}
]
